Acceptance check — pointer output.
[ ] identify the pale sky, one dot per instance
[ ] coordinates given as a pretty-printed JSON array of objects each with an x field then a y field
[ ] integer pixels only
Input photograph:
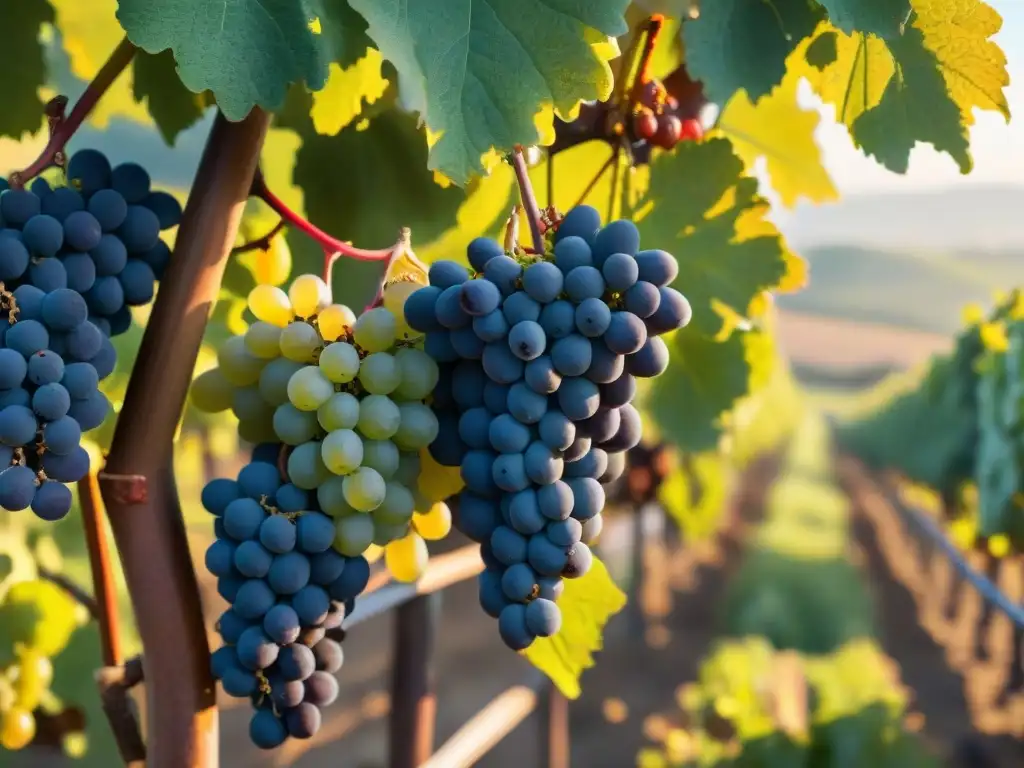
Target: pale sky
[{"x": 998, "y": 147}]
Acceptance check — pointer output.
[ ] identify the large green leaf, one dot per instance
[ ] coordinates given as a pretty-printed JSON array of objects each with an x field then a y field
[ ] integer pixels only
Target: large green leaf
[
  {"x": 702, "y": 384},
  {"x": 884, "y": 18},
  {"x": 480, "y": 70},
  {"x": 363, "y": 185},
  {"x": 915, "y": 107},
  {"x": 921, "y": 85},
  {"x": 247, "y": 52},
  {"x": 21, "y": 23},
  {"x": 173, "y": 107},
  {"x": 702, "y": 208},
  {"x": 738, "y": 44}
]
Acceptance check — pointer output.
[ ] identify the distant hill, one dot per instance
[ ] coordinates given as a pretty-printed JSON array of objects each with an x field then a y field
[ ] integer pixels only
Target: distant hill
[
  {"x": 916, "y": 290},
  {"x": 970, "y": 218}
]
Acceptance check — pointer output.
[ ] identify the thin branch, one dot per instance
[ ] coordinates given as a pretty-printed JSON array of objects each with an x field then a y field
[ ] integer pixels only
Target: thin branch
[
  {"x": 330, "y": 244},
  {"x": 103, "y": 585},
  {"x": 529, "y": 198},
  {"x": 114, "y": 683},
  {"x": 650, "y": 32},
  {"x": 76, "y": 592},
  {"x": 597, "y": 177},
  {"x": 260, "y": 243},
  {"x": 63, "y": 128}
]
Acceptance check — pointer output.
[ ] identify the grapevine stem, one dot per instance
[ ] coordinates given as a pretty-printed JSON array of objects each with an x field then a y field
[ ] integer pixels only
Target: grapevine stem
[
  {"x": 62, "y": 127},
  {"x": 529, "y": 198},
  {"x": 103, "y": 584},
  {"x": 79, "y": 594},
  {"x": 138, "y": 481},
  {"x": 331, "y": 245},
  {"x": 597, "y": 177},
  {"x": 260, "y": 243}
]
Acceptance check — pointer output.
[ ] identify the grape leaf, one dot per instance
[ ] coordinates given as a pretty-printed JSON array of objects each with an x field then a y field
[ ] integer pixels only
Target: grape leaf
[
  {"x": 700, "y": 207},
  {"x": 173, "y": 107},
  {"x": 959, "y": 32},
  {"x": 388, "y": 153},
  {"x": 478, "y": 71},
  {"x": 694, "y": 493},
  {"x": 22, "y": 25},
  {"x": 704, "y": 380},
  {"x": 39, "y": 614},
  {"x": 884, "y": 18},
  {"x": 587, "y": 604},
  {"x": 743, "y": 44},
  {"x": 915, "y": 107},
  {"x": 247, "y": 52},
  {"x": 857, "y": 75},
  {"x": 777, "y": 129}
]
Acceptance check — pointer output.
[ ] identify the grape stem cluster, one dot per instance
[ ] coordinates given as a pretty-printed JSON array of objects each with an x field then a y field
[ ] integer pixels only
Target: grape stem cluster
[{"x": 63, "y": 126}]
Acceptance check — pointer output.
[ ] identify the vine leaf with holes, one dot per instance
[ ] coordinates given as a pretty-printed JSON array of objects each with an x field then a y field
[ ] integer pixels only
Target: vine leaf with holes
[
  {"x": 22, "y": 24},
  {"x": 586, "y": 604},
  {"x": 701, "y": 207},
  {"x": 551, "y": 57},
  {"x": 736, "y": 44}
]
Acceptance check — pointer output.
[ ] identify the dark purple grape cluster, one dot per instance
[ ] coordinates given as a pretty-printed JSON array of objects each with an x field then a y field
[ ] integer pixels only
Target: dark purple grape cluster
[
  {"x": 99, "y": 236},
  {"x": 539, "y": 357},
  {"x": 73, "y": 260},
  {"x": 289, "y": 591}
]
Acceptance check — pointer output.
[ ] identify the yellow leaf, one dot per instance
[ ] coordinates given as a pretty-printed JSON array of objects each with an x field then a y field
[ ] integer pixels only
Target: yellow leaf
[
  {"x": 972, "y": 314},
  {"x": 855, "y": 81},
  {"x": 782, "y": 133},
  {"x": 90, "y": 32},
  {"x": 993, "y": 336},
  {"x": 694, "y": 501},
  {"x": 40, "y": 615},
  {"x": 587, "y": 604},
  {"x": 958, "y": 32},
  {"x": 342, "y": 98}
]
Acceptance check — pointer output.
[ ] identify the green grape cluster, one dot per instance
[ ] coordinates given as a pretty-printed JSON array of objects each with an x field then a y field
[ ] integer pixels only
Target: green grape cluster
[
  {"x": 37, "y": 619},
  {"x": 343, "y": 395}
]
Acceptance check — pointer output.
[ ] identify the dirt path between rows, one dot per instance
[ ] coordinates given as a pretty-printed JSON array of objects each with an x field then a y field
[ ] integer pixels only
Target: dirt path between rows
[{"x": 950, "y": 706}]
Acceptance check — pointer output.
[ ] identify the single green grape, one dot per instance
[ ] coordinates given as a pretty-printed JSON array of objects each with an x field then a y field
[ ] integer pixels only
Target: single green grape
[
  {"x": 340, "y": 362},
  {"x": 353, "y": 535},
  {"x": 418, "y": 373},
  {"x": 263, "y": 340},
  {"x": 375, "y": 330},
  {"x": 364, "y": 489},
  {"x": 308, "y": 388},
  {"x": 340, "y": 412},
  {"x": 300, "y": 342},
  {"x": 418, "y": 426},
  {"x": 379, "y": 374},
  {"x": 342, "y": 451},
  {"x": 379, "y": 417}
]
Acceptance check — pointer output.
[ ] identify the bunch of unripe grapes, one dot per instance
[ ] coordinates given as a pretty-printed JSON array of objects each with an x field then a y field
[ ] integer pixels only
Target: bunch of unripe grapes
[
  {"x": 655, "y": 120},
  {"x": 38, "y": 619},
  {"x": 22, "y": 687},
  {"x": 287, "y": 587},
  {"x": 345, "y": 395},
  {"x": 539, "y": 356}
]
